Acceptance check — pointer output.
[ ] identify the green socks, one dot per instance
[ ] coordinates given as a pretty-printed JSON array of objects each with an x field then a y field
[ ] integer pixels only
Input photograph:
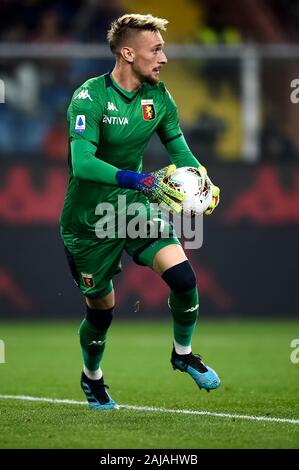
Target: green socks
[
  {"x": 92, "y": 344},
  {"x": 184, "y": 308}
]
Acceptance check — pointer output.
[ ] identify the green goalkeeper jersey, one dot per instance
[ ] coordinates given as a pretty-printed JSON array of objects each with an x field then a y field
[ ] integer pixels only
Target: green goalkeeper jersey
[{"x": 109, "y": 129}]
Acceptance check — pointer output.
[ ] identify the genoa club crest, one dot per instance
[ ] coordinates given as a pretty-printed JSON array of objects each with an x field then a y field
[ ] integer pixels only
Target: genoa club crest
[
  {"x": 87, "y": 280},
  {"x": 148, "y": 110}
]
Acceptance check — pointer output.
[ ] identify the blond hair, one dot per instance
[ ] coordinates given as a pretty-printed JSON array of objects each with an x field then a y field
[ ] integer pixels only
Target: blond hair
[{"x": 121, "y": 28}]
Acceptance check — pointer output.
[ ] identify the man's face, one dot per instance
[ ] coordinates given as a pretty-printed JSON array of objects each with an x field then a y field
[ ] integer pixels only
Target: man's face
[{"x": 149, "y": 56}]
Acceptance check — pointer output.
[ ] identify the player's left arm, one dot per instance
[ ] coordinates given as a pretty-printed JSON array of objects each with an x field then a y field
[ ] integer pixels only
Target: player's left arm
[
  {"x": 177, "y": 148},
  {"x": 181, "y": 155}
]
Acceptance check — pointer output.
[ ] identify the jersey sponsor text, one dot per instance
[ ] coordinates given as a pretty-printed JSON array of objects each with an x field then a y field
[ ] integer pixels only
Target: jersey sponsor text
[{"x": 122, "y": 121}]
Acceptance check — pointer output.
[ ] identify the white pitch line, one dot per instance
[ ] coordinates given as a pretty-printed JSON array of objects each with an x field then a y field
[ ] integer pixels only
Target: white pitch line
[{"x": 161, "y": 410}]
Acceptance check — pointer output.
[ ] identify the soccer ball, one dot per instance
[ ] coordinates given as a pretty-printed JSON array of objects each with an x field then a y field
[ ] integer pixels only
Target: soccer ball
[{"x": 187, "y": 180}]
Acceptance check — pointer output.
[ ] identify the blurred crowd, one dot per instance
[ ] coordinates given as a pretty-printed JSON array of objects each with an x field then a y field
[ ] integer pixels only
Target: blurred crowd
[
  {"x": 214, "y": 21},
  {"x": 43, "y": 21},
  {"x": 33, "y": 119}
]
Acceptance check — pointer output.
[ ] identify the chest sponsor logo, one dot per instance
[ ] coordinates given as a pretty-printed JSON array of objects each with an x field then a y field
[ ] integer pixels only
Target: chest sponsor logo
[
  {"x": 115, "y": 120},
  {"x": 83, "y": 95},
  {"x": 111, "y": 106},
  {"x": 148, "y": 110},
  {"x": 80, "y": 123}
]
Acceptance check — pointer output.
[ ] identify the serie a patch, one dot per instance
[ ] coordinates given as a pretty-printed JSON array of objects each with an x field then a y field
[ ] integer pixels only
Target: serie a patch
[
  {"x": 148, "y": 110},
  {"x": 80, "y": 123},
  {"x": 87, "y": 280}
]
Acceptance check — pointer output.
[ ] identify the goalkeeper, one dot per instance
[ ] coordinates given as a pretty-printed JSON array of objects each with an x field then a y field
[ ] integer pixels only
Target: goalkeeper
[{"x": 111, "y": 119}]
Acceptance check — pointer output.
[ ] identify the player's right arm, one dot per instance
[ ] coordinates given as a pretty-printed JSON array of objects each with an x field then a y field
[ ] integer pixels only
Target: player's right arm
[{"x": 85, "y": 115}]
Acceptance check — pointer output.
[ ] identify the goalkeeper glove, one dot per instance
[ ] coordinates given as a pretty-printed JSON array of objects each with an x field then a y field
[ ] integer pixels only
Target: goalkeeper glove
[
  {"x": 153, "y": 186},
  {"x": 215, "y": 190}
]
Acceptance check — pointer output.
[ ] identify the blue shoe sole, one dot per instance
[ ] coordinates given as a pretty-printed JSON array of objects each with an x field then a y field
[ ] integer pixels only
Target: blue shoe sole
[
  {"x": 107, "y": 406},
  {"x": 93, "y": 403},
  {"x": 207, "y": 380}
]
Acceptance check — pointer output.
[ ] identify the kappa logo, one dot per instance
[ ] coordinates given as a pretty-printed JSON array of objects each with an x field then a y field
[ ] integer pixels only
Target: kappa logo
[
  {"x": 119, "y": 121},
  {"x": 96, "y": 343},
  {"x": 192, "y": 309},
  {"x": 111, "y": 106},
  {"x": 83, "y": 95}
]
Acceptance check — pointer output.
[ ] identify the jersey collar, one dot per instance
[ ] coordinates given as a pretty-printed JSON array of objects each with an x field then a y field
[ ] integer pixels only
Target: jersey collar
[{"x": 109, "y": 83}]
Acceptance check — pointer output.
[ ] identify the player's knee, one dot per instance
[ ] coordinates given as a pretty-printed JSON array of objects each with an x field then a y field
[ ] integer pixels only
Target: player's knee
[
  {"x": 180, "y": 278},
  {"x": 99, "y": 319},
  {"x": 101, "y": 303}
]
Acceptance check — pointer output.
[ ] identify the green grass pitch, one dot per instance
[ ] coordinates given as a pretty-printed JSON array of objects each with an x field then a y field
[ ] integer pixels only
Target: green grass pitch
[{"x": 252, "y": 359}]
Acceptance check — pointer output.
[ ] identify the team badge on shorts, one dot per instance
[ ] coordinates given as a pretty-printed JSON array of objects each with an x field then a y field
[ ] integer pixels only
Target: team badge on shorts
[
  {"x": 148, "y": 110},
  {"x": 87, "y": 280}
]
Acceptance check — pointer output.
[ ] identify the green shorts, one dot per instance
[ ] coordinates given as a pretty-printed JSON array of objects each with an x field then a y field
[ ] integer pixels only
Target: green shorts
[{"x": 94, "y": 261}]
